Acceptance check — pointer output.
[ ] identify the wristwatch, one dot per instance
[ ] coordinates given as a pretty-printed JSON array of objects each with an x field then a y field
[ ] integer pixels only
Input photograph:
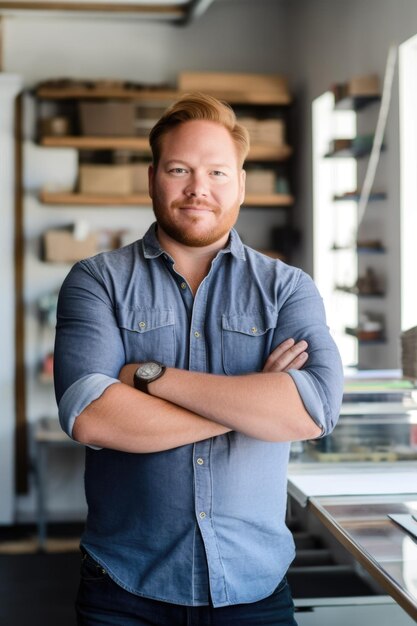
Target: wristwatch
[{"x": 147, "y": 373}]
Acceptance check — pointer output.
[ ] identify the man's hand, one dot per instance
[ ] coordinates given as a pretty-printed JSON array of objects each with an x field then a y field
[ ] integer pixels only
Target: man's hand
[{"x": 288, "y": 355}]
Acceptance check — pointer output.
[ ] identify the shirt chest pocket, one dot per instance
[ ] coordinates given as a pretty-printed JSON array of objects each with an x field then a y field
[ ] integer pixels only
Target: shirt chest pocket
[
  {"x": 148, "y": 334},
  {"x": 246, "y": 341}
]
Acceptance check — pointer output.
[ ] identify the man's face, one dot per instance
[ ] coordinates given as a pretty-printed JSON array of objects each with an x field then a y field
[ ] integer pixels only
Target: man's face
[{"x": 198, "y": 185}]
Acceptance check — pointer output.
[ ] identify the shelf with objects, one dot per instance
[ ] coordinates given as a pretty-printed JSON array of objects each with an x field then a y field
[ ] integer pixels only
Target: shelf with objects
[
  {"x": 358, "y": 286},
  {"x": 108, "y": 123}
]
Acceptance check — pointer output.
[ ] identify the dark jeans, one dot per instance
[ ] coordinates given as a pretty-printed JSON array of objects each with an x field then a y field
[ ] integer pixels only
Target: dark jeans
[{"x": 101, "y": 601}]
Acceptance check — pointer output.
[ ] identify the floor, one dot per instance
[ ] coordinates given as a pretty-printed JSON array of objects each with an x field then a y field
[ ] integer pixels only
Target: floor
[{"x": 38, "y": 588}]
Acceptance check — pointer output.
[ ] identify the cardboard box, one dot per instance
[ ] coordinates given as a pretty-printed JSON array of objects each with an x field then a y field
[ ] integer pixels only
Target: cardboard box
[
  {"x": 260, "y": 181},
  {"x": 60, "y": 246},
  {"x": 364, "y": 86},
  {"x": 234, "y": 83},
  {"x": 105, "y": 180},
  {"x": 107, "y": 119},
  {"x": 140, "y": 177}
]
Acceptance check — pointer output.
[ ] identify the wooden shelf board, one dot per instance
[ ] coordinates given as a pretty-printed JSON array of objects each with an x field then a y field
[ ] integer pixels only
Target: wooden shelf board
[
  {"x": 78, "y": 199},
  {"x": 171, "y": 11},
  {"x": 269, "y": 200},
  {"x": 105, "y": 93},
  {"x": 157, "y": 95},
  {"x": 356, "y": 103},
  {"x": 354, "y": 291},
  {"x": 354, "y": 197},
  {"x": 348, "y": 153},
  {"x": 97, "y": 143},
  {"x": 360, "y": 336},
  {"x": 258, "y": 152},
  {"x": 360, "y": 250}
]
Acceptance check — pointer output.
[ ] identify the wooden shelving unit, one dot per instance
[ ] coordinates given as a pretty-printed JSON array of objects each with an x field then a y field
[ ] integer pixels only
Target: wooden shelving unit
[{"x": 369, "y": 303}]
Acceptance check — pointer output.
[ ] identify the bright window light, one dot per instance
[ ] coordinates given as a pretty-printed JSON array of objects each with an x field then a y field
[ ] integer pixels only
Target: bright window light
[
  {"x": 335, "y": 222},
  {"x": 408, "y": 173}
]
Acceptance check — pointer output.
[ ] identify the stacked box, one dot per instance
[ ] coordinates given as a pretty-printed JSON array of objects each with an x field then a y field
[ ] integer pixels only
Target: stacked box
[
  {"x": 146, "y": 118},
  {"x": 225, "y": 83},
  {"x": 105, "y": 179},
  {"x": 260, "y": 181},
  {"x": 107, "y": 119},
  {"x": 60, "y": 246},
  {"x": 139, "y": 173},
  {"x": 364, "y": 86},
  {"x": 270, "y": 131}
]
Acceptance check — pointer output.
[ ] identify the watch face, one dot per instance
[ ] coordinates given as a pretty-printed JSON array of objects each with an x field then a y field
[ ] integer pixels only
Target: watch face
[{"x": 149, "y": 370}]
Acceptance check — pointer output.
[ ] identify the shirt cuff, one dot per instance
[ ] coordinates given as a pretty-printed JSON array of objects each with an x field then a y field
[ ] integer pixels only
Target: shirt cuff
[
  {"x": 79, "y": 396},
  {"x": 311, "y": 398}
]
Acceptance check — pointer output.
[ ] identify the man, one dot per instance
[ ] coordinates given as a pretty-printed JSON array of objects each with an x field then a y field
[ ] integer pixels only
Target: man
[{"x": 181, "y": 364}]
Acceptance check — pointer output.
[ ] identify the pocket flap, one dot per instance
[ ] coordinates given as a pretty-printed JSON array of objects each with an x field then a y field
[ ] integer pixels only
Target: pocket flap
[
  {"x": 143, "y": 320},
  {"x": 253, "y": 324}
]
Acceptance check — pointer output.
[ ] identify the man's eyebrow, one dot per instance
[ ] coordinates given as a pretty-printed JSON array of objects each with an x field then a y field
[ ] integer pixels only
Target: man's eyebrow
[
  {"x": 182, "y": 162},
  {"x": 171, "y": 161}
]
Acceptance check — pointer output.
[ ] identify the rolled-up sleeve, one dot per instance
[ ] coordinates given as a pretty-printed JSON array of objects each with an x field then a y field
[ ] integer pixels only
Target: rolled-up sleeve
[
  {"x": 79, "y": 395},
  {"x": 320, "y": 381},
  {"x": 89, "y": 351}
]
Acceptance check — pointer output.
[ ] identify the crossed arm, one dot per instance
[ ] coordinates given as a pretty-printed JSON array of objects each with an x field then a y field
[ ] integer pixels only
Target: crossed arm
[{"x": 185, "y": 407}]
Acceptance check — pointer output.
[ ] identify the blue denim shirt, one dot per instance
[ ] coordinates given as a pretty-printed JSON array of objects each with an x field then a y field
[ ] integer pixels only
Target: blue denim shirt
[{"x": 208, "y": 518}]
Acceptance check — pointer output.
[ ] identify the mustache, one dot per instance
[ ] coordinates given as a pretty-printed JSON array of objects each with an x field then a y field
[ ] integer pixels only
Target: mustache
[{"x": 178, "y": 204}]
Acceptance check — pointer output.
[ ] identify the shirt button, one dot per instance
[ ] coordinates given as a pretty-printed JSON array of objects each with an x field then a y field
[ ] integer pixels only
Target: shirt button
[
  {"x": 202, "y": 515},
  {"x": 200, "y": 461},
  {"x": 254, "y": 329},
  {"x": 142, "y": 324},
  {"x": 183, "y": 285},
  {"x": 196, "y": 334}
]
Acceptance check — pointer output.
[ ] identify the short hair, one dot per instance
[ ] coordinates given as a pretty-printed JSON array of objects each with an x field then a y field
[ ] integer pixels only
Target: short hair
[{"x": 199, "y": 106}]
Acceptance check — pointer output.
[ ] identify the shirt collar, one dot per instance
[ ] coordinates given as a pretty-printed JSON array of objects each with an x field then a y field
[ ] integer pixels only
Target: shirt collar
[{"x": 152, "y": 248}]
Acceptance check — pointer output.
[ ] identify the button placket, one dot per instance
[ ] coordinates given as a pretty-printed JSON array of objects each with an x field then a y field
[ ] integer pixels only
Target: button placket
[
  {"x": 202, "y": 479},
  {"x": 204, "y": 513},
  {"x": 198, "y": 348}
]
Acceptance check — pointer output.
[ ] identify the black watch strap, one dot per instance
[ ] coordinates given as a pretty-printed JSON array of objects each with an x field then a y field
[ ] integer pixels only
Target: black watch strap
[{"x": 147, "y": 373}]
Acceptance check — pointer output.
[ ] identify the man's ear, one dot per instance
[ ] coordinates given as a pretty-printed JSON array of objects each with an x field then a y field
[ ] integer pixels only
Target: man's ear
[
  {"x": 242, "y": 184},
  {"x": 151, "y": 174}
]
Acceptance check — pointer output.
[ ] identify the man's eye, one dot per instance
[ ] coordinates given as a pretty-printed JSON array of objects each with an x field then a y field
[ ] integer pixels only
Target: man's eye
[
  {"x": 218, "y": 173},
  {"x": 177, "y": 170}
]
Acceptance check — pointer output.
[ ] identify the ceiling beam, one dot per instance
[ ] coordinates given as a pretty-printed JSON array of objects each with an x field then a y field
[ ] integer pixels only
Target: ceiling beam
[{"x": 170, "y": 11}]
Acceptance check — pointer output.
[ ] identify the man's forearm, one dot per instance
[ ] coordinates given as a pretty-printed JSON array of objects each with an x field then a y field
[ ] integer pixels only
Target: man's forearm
[
  {"x": 192, "y": 406},
  {"x": 131, "y": 421},
  {"x": 265, "y": 406}
]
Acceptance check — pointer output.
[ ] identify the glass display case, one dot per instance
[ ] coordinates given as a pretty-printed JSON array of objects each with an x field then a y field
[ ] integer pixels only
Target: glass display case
[{"x": 378, "y": 423}]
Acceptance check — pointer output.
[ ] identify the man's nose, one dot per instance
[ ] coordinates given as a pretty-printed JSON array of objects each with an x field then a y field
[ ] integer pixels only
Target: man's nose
[{"x": 196, "y": 187}]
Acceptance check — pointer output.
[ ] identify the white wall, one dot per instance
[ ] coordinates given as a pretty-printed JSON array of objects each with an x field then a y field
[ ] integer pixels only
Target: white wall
[
  {"x": 10, "y": 85},
  {"x": 238, "y": 35}
]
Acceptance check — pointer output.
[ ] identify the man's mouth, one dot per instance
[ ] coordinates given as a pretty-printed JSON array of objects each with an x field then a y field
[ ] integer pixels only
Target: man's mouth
[{"x": 194, "y": 206}]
